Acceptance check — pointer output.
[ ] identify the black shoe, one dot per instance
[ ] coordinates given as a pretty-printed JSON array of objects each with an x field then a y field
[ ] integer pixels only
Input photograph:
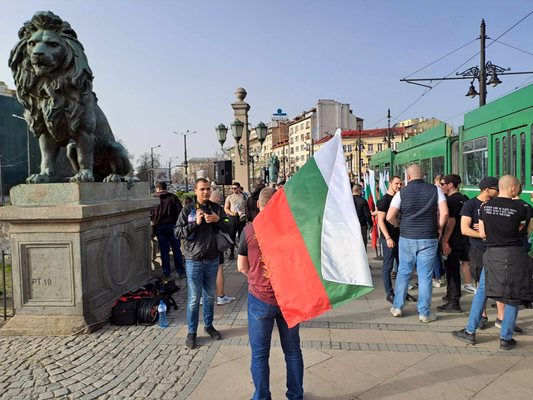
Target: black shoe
[
  {"x": 190, "y": 342},
  {"x": 445, "y": 298},
  {"x": 483, "y": 323},
  {"x": 215, "y": 335},
  {"x": 390, "y": 298},
  {"x": 464, "y": 336},
  {"x": 449, "y": 308},
  {"x": 507, "y": 344},
  {"x": 408, "y": 297}
]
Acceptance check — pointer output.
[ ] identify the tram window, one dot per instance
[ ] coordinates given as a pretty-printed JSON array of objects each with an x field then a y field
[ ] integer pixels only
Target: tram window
[
  {"x": 497, "y": 158},
  {"x": 523, "y": 159},
  {"x": 437, "y": 166},
  {"x": 425, "y": 164},
  {"x": 504, "y": 155},
  {"x": 531, "y": 158},
  {"x": 513, "y": 155},
  {"x": 475, "y": 160}
]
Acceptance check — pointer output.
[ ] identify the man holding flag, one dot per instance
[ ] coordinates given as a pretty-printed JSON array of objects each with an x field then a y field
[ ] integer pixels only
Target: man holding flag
[
  {"x": 263, "y": 310},
  {"x": 310, "y": 240}
]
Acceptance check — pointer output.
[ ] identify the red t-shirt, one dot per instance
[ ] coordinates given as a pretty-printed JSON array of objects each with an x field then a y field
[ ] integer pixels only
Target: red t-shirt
[{"x": 258, "y": 284}]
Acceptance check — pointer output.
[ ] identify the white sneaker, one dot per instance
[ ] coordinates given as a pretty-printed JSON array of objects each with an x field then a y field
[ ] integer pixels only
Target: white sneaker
[
  {"x": 396, "y": 312},
  {"x": 437, "y": 283},
  {"x": 425, "y": 320},
  {"x": 224, "y": 300},
  {"x": 469, "y": 288}
]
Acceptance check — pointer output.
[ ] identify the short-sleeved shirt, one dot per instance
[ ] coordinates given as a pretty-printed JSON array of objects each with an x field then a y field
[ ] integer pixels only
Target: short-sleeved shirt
[
  {"x": 502, "y": 218},
  {"x": 258, "y": 283},
  {"x": 384, "y": 205},
  {"x": 455, "y": 205},
  {"x": 471, "y": 209}
]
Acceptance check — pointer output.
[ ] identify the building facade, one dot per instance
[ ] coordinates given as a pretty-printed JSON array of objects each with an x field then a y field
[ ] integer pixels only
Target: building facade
[{"x": 14, "y": 140}]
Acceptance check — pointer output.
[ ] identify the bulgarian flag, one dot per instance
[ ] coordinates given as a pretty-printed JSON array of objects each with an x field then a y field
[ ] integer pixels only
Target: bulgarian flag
[
  {"x": 370, "y": 195},
  {"x": 310, "y": 239}
]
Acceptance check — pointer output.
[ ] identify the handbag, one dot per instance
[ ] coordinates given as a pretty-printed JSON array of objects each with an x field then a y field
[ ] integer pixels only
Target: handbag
[{"x": 223, "y": 241}]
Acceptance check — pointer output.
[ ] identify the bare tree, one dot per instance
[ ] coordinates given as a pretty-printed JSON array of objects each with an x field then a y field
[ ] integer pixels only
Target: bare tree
[{"x": 144, "y": 165}]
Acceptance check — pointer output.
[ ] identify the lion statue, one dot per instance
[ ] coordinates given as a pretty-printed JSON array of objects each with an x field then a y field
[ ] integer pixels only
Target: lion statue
[{"x": 54, "y": 84}]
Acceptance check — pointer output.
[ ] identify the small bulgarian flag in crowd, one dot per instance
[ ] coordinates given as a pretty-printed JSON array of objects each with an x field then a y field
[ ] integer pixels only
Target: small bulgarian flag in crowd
[{"x": 311, "y": 240}]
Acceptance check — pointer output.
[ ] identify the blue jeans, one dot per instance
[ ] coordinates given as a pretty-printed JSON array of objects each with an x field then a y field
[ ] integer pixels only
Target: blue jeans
[
  {"x": 389, "y": 255},
  {"x": 439, "y": 267},
  {"x": 419, "y": 252},
  {"x": 261, "y": 317},
  {"x": 167, "y": 240},
  {"x": 510, "y": 312},
  {"x": 201, "y": 281}
]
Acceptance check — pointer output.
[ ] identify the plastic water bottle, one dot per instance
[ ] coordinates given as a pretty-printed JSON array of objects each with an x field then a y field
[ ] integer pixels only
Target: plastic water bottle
[{"x": 162, "y": 310}]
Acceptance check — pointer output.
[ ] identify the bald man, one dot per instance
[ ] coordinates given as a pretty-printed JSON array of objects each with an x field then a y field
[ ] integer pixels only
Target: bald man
[
  {"x": 420, "y": 231},
  {"x": 507, "y": 270}
]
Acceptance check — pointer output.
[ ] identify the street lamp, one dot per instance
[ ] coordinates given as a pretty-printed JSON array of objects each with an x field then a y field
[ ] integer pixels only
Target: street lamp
[
  {"x": 360, "y": 148},
  {"x": 170, "y": 168},
  {"x": 390, "y": 134},
  {"x": 27, "y": 141},
  {"x": 236, "y": 129},
  {"x": 152, "y": 167},
  {"x": 185, "y": 163}
]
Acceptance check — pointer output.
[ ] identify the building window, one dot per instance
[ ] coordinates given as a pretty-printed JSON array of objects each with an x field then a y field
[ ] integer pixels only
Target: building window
[
  {"x": 302, "y": 125},
  {"x": 380, "y": 146},
  {"x": 370, "y": 148},
  {"x": 307, "y": 124},
  {"x": 349, "y": 148},
  {"x": 302, "y": 137}
]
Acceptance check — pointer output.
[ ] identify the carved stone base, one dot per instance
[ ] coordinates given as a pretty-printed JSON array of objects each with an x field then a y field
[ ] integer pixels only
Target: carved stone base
[{"x": 75, "y": 249}]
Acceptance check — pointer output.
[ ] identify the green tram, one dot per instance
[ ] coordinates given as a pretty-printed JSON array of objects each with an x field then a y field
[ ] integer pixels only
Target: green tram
[{"x": 494, "y": 140}]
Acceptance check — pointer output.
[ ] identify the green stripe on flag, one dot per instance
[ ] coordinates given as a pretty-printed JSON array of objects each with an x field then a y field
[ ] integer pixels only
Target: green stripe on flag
[{"x": 306, "y": 194}]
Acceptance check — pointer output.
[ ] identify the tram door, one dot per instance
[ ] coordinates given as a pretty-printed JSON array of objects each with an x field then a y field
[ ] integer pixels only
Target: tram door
[{"x": 509, "y": 154}]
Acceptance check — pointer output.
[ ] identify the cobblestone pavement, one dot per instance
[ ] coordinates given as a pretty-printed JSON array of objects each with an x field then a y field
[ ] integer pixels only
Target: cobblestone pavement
[{"x": 153, "y": 363}]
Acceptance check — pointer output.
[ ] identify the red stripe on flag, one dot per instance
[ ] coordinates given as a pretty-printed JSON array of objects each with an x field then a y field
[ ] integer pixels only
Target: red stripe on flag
[{"x": 298, "y": 287}]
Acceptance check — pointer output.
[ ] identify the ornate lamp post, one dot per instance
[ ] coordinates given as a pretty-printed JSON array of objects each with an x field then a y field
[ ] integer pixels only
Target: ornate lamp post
[{"x": 240, "y": 133}]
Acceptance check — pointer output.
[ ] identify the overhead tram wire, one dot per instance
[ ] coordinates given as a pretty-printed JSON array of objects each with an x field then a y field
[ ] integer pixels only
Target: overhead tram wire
[
  {"x": 513, "y": 47},
  {"x": 442, "y": 58}
]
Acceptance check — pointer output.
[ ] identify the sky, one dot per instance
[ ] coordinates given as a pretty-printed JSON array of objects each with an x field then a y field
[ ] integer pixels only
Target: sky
[{"x": 166, "y": 66}]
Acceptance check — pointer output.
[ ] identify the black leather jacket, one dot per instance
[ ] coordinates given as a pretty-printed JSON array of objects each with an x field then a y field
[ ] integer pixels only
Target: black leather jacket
[{"x": 198, "y": 241}]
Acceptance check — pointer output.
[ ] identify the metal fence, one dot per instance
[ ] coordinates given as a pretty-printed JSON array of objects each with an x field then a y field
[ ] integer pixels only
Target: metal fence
[{"x": 7, "y": 286}]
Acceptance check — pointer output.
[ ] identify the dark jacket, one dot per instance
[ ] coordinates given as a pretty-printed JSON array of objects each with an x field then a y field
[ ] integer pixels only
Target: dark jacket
[
  {"x": 508, "y": 274},
  {"x": 198, "y": 241},
  {"x": 363, "y": 211},
  {"x": 168, "y": 209}
]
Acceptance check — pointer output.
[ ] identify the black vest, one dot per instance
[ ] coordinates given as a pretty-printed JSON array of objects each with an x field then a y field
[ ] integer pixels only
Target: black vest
[{"x": 419, "y": 205}]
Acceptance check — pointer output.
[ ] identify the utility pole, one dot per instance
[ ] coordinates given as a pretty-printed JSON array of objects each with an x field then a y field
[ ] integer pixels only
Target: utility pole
[
  {"x": 482, "y": 66},
  {"x": 185, "y": 162}
]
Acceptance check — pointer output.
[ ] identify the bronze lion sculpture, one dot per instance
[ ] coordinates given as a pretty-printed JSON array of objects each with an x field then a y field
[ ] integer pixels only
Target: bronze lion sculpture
[{"x": 54, "y": 84}]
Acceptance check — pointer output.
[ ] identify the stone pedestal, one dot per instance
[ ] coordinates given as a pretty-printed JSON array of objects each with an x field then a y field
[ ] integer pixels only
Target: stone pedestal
[{"x": 75, "y": 249}]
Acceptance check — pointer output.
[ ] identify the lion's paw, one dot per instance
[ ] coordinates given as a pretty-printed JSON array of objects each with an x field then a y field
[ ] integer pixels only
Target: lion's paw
[
  {"x": 113, "y": 178},
  {"x": 38, "y": 178},
  {"x": 83, "y": 175}
]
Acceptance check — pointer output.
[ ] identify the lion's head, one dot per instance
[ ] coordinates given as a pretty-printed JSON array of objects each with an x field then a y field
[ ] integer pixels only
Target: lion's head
[{"x": 49, "y": 62}]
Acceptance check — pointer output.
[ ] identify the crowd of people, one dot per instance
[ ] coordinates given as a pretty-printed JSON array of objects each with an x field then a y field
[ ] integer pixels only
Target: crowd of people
[
  {"x": 427, "y": 230},
  {"x": 434, "y": 228}
]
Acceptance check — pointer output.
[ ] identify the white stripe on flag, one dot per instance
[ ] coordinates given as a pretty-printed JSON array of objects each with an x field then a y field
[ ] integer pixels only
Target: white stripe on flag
[{"x": 343, "y": 255}]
